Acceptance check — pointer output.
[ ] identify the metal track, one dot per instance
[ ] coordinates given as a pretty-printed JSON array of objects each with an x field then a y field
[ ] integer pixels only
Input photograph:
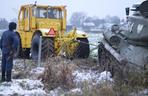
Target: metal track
[{"x": 110, "y": 63}]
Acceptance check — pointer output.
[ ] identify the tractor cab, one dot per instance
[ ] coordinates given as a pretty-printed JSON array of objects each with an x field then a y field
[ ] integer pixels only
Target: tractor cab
[
  {"x": 48, "y": 21},
  {"x": 39, "y": 17}
]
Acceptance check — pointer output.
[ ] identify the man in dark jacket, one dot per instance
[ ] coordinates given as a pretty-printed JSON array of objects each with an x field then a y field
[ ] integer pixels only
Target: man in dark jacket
[{"x": 8, "y": 45}]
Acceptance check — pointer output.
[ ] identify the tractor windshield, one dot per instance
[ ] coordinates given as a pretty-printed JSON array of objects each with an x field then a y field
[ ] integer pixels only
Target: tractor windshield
[{"x": 51, "y": 13}]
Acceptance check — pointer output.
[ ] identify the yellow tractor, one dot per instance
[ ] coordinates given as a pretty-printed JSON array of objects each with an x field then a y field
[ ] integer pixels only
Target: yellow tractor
[{"x": 48, "y": 22}]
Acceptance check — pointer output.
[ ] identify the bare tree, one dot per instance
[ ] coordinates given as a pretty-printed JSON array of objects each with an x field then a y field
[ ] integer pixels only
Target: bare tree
[
  {"x": 3, "y": 23},
  {"x": 77, "y": 19}
]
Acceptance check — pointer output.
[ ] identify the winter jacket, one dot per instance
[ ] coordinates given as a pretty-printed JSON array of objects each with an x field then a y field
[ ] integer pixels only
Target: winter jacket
[{"x": 8, "y": 42}]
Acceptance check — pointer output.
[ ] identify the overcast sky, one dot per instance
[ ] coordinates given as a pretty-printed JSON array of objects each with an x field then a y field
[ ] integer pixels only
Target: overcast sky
[{"x": 99, "y": 8}]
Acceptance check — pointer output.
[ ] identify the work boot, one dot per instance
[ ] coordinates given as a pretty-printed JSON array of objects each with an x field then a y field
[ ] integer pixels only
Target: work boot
[
  {"x": 8, "y": 76},
  {"x": 3, "y": 79}
]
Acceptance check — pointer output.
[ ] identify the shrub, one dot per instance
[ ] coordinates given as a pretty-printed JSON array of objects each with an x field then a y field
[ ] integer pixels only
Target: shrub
[{"x": 58, "y": 72}]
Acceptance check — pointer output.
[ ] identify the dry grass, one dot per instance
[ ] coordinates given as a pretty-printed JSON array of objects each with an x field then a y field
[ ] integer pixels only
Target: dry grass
[
  {"x": 103, "y": 89},
  {"x": 133, "y": 82},
  {"x": 88, "y": 63},
  {"x": 22, "y": 67},
  {"x": 58, "y": 72}
]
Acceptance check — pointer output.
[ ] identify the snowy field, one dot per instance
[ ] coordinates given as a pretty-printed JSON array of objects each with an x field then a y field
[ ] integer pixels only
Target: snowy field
[
  {"x": 22, "y": 87},
  {"x": 25, "y": 80},
  {"x": 30, "y": 86}
]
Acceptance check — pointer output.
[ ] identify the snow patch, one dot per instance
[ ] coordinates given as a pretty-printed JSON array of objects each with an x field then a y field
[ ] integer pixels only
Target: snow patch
[
  {"x": 92, "y": 76},
  {"x": 38, "y": 70},
  {"x": 104, "y": 76},
  {"x": 23, "y": 87},
  {"x": 80, "y": 32},
  {"x": 56, "y": 92},
  {"x": 84, "y": 75},
  {"x": 76, "y": 90}
]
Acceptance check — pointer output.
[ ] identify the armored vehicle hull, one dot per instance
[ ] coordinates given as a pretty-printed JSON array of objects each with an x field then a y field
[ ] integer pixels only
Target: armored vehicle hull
[{"x": 122, "y": 49}]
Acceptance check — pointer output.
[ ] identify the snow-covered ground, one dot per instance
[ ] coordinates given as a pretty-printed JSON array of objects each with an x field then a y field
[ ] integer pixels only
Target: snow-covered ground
[
  {"x": 22, "y": 87},
  {"x": 92, "y": 76},
  {"x": 30, "y": 86},
  {"x": 82, "y": 76}
]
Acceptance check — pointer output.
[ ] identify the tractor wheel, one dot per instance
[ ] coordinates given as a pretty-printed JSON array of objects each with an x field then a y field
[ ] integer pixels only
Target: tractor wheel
[
  {"x": 25, "y": 53},
  {"x": 21, "y": 53},
  {"x": 83, "y": 50},
  {"x": 35, "y": 47},
  {"x": 47, "y": 48},
  {"x": 19, "y": 47}
]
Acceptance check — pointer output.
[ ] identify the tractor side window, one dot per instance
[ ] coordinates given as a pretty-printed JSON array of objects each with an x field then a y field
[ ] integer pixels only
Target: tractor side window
[
  {"x": 33, "y": 11},
  {"x": 54, "y": 13},
  {"x": 51, "y": 13},
  {"x": 26, "y": 13},
  {"x": 21, "y": 15},
  {"x": 41, "y": 13}
]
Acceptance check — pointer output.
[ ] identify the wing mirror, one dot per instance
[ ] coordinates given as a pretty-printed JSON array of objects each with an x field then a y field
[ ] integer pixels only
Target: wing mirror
[{"x": 127, "y": 11}]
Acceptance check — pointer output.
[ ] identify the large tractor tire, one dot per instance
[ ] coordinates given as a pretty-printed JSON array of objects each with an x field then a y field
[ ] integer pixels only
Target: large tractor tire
[
  {"x": 25, "y": 53},
  {"x": 47, "y": 47},
  {"x": 19, "y": 47},
  {"x": 21, "y": 53},
  {"x": 82, "y": 50}
]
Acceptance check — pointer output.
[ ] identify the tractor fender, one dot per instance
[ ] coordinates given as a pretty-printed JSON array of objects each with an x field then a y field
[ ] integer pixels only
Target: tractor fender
[
  {"x": 37, "y": 32},
  {"x": 17, "y": 33},
  {"x": 77, "y": 34},
  {"x": 81, "y": 34}
]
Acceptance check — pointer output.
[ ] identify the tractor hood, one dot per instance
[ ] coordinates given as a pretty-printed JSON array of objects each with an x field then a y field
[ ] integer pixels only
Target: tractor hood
[
  {"x": 49, "y": 23},
  {"x": 81, "y": 33},
  {"x": 77, "y": 34}
]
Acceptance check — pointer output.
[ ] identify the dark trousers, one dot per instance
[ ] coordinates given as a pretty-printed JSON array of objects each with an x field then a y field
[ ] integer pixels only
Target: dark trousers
[{"x": 7, "y": 65}]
